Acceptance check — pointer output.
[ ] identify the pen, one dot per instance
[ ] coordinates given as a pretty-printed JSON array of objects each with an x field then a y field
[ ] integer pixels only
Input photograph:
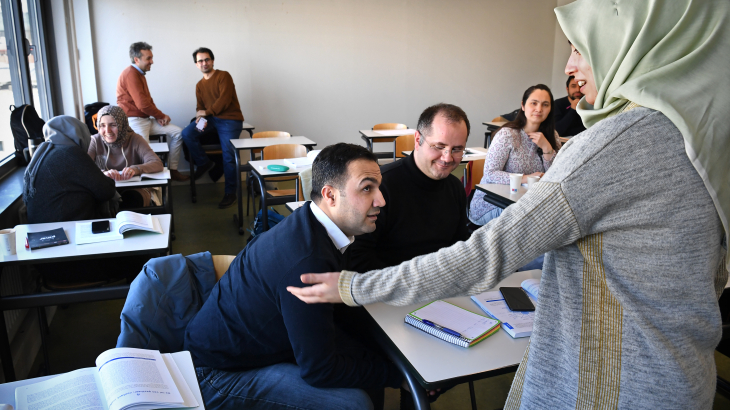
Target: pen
[{"x": 445, "y": 329}]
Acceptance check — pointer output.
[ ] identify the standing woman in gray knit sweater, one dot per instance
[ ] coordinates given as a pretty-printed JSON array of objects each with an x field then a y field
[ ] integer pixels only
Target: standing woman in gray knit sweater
[{"x": 633, "y": 215}]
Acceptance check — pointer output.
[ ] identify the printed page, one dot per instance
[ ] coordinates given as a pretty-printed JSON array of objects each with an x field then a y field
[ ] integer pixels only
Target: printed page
[
  {"x": 185, "y": 365},
  {"x": 164, "y": 174},
  {"x": 135, "y": 178},
  {"x": 469, "y": 324},
  {"x": 79, "y": 389},
  {"x": 189, "y": 399},
  {"x": 131, "y": 220},
  {"x": 532, "y": 287},
  {"x": 130, "y": 376},
  {"x": 494, "y": 303},
  {"x": 84, "y": 234}
]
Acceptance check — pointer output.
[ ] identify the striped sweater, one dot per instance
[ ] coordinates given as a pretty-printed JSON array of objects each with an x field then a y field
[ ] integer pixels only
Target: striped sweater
[{"x": 628, "y": 314}]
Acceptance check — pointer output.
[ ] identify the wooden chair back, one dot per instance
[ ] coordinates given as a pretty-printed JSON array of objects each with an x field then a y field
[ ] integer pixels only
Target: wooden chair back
[
  {"x": 221, "y": 264},
  {"x": 475, "y": 172},
  {"x": 403, "y": 143},
  {"x": 283, "y": 151},
  {"x": 268, "y": 134},
  {"x": 389, "y": 126}
]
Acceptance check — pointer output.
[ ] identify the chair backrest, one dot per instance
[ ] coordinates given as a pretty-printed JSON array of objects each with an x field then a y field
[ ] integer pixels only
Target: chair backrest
[
  {"x": 390, "y": 126},
  {"x": 403, "y": 143},
  {"x": 475, "y": 172},
  {"x": 268, "y": 134},
  {"x": 221, "y": 264},
  {"x": 283, "y": 151}
]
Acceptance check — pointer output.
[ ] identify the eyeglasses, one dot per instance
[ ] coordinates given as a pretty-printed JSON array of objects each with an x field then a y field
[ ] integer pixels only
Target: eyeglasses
[
  {"x": 207, "y": 60},
  {"x": 455, "y": 152}
]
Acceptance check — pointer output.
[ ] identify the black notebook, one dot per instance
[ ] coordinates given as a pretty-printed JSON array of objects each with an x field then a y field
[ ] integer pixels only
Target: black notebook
[{"x": 45, "y": 239}]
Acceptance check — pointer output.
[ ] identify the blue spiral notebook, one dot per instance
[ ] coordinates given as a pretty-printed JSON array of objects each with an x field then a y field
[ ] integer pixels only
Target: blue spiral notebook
[{"x": 453, "y": 324}]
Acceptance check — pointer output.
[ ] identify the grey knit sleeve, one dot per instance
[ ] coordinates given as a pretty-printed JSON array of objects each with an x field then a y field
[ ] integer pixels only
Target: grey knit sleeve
[{"x": 541, "y": 221}]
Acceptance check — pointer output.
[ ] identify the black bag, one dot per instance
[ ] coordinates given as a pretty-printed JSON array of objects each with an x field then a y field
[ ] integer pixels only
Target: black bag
[
  {"x": 89, "y": 111},
  {"x": 25, "y": 124}
]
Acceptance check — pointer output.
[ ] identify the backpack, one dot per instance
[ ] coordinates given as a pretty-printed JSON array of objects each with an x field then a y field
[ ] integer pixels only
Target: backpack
[
  {"x": 25, "y": 124},
  {"x": 257, "y": 226},
  {"x": 90, "y": 111}
]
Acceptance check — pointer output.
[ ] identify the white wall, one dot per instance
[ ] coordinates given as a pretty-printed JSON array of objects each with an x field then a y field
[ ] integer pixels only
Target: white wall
[
  {"x": 560, "y": 58},
  {"x": 327, "y": 68}
]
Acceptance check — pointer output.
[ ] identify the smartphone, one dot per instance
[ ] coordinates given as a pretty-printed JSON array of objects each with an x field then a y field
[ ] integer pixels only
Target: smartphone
[
  {"x": 100, "y": 227},
  {"x": 201, "y": 124},
  {"x": 517, "y": 300}
]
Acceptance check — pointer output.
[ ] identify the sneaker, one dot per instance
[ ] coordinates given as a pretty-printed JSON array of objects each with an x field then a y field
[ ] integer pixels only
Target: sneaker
[
  {"x": 228, "y": 200},
  {"x": 177, "y": 176},
  {"x": 203, "y": 169}
]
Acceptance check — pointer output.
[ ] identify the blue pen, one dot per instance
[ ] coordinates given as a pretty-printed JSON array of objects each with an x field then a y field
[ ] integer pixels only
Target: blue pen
[{"x": 445, "y": 329}]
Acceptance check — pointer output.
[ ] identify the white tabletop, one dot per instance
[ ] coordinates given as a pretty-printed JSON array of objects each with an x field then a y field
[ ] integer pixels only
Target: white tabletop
[
  {"x": 133, "y": 241},
  {"x": 247, "y": 126},
  {"x": 374, "y": 133},
  {"x": 293, "y": 206},
  {"x": 503, "y": 191},
  {"x": 261, "y": 168},
  {"x": 436, "y": 360},
  {"x": 159, "y": 147},
  {"x": 494, "y": 123},
  {"x": 254, "y": 143}
]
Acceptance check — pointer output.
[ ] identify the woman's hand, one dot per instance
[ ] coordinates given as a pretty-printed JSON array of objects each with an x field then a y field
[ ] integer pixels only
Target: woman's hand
[
  {"x": 534, "y": 174},
  {"x": 114, "y": 174},
  {"x": 128, "y": 173},
  {"x": 540, "y": 141}
]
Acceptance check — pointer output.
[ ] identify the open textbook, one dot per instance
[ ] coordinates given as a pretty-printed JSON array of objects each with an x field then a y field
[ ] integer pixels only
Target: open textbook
[
  {"x": 123, "y": 378},
  {"x": 164, "y": 174},
  {"x": 125, "y": 221}
]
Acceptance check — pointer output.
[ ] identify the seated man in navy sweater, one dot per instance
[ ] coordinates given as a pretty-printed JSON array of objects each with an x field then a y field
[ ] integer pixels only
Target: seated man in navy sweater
[{"x": 254, "y": 344}]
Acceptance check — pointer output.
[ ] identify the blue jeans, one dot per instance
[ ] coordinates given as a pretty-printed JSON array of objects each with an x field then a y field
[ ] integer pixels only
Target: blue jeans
[
  {"x": 227, "y": 130},
  {"x": 273, "y": 387}
]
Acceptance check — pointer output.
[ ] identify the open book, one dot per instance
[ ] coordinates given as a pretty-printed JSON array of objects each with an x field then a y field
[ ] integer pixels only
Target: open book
[
  {"x": 516, "y": 324},
  {"x": 164, "y": 174},
  {"x": 123, "y": 378},
  {"x": 125, "y": 221}
]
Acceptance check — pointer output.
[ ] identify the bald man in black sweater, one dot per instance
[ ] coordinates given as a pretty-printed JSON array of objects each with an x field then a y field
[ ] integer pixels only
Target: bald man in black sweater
[{"x": 425, "y": 205}]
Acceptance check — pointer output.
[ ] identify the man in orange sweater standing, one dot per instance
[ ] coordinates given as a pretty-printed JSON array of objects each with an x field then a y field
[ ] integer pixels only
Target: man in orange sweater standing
[
  {"x": 144, "y": 117},
  {"x": 218, "y": 108}
]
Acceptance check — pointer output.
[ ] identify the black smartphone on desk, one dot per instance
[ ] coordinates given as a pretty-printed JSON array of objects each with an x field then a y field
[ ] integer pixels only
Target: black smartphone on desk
[
  {"x": 100, "y": 227},
  {"x": 517, "y": 300}
]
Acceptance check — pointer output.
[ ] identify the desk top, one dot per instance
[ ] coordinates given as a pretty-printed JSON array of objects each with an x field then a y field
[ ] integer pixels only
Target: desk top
[
  {"x": 502, "y": 190},
  {"x": 436, "y": 360},
  {"x": 397, "y": 133},
  {"x": 293, "y": 206},
  {"x": 247, "y": 126},
  {"x": 494, "y": 124},
  {"x": 159, "y": 147},
  {"x": 259, "y": 167},
  {"x": 255, "y": 143},
  {"x": 137, "y": 242}
]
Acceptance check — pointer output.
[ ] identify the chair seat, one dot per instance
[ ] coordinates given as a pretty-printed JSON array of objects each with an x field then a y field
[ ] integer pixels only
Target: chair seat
[{"x": 282, "y": 192}]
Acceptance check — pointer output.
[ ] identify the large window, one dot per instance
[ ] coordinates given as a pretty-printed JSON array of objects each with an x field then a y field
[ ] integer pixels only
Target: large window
[{"x": 23, "y": 67}]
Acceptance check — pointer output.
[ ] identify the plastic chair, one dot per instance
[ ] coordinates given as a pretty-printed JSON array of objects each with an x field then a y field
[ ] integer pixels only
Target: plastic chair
[
  {"x": 247, "y": 169},
  {"x": 403, "y": 143}
]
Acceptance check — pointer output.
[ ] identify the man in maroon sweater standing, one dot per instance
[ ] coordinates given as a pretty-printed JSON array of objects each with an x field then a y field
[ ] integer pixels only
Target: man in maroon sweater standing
[
  {"x": 144, "y": 116},
  {"x": 218, "y": 108}
]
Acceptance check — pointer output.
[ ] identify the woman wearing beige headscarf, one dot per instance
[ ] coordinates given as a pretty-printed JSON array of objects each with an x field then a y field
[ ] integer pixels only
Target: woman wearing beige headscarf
[
  {"x": 122, "y": 154},
  {"x": 631, "y": 214}
]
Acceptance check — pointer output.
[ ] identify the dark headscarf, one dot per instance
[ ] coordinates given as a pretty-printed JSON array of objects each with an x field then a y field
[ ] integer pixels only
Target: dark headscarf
[{"x": 61, "y": 130}]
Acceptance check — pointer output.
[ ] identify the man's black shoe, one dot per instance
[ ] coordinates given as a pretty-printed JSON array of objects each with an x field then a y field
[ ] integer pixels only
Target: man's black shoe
[
  {"x": 228, "y": 200},
  {"x": 203, "y": 169}
]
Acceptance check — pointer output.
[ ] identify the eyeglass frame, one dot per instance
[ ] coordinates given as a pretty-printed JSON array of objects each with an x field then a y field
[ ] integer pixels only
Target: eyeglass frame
[
  {"x": 442, "y": 150},
  {"x": 206, "y": 60}
]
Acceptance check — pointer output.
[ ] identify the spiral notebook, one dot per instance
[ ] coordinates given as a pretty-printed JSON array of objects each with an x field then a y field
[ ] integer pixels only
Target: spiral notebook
[{"x": 452, "y": 323}]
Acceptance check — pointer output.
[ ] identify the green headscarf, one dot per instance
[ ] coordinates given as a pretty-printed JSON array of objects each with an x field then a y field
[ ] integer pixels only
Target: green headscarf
[{"x": 672, "y": 56}]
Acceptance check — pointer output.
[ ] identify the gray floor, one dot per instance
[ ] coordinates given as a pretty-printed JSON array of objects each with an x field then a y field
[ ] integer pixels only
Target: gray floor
[{"x": 81, "y": 332}]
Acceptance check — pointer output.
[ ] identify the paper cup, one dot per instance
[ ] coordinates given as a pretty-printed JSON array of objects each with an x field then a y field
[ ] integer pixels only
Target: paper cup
[
  {"x": 515, "y": 180},
  {"x": 531, "y": 180},
  {"x": 7, "y": 242}
]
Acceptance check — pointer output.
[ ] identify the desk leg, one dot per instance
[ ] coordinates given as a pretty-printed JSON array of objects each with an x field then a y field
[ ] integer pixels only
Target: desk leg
[
  {"x": 473, "y": 397},
  {"x": 466, "y": 182},
  {"x": 264, "y": 211},
  {"x": 5, "y": 354},
  {"x": 239, "y": 192},
  {"x": 368, "y": 143},
  {"x": 167, "y": 197}
]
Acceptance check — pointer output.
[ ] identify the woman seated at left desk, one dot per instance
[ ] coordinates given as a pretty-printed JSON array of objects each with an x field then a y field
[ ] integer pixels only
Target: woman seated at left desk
[{"x": 122, "y": 154}]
